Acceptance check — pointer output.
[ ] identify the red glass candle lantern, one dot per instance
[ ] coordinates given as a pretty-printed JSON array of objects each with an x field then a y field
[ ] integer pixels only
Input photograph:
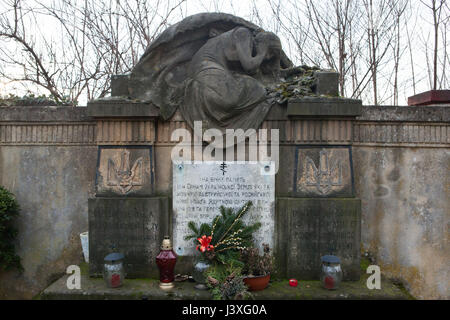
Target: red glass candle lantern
[{"x": 166, "y": 261}]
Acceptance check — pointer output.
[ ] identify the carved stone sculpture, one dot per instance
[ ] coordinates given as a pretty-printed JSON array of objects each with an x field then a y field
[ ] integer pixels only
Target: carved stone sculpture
[{"x": 214, "y": 67}]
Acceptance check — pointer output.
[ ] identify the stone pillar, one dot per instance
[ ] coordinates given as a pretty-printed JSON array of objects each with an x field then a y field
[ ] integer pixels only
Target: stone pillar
[
  {"x": 317, "y": 211},
  {"x": 126, "y": 215}
]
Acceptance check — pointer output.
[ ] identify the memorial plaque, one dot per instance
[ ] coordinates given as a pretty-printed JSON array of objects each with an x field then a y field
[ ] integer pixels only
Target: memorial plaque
[
  {"x": 323, "y": 172},
  {"x": 133, "y": 226},
  {"x": 200, "y": 189},
  {"x": 124, "y": 171},
  {"x": 311, "y": 228}
]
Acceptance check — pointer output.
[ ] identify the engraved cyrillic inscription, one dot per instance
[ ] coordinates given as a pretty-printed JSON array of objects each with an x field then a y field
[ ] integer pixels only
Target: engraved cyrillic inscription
[{"x": 200, "y": 189}]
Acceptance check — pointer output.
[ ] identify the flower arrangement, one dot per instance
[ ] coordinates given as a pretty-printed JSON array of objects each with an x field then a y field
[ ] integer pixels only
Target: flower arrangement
[
  {"x": 227, "y": 283},
  {"x": 224, "y": 238}
]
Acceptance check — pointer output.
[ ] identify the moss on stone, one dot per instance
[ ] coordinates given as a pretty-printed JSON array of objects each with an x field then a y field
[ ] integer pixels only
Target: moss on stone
[
  {"x": 148, "y": 288},
  {"x": 84, "y": 268},
  {"x": 405, "y": 291},
  {"x": 365, "y": 263}
]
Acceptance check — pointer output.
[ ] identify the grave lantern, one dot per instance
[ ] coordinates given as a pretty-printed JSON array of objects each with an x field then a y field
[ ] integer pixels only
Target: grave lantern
[
  {"x": 113, "y": 272},
  {"x": 331, "y": 274},
  {"x": 166, "y": 261}
]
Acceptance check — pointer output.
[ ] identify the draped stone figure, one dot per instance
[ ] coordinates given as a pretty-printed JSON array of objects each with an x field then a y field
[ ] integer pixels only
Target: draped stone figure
[{"x": 214, "y": 68}]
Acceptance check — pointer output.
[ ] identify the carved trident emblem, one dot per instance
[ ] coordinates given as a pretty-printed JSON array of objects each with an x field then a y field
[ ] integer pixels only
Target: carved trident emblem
[
  {"x": 326, "y": 175},
  {"x": 121, "y": 176}
]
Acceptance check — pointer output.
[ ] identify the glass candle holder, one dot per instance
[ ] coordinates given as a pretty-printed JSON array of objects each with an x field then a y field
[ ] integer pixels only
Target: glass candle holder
[
  {"x": 331, "y": 274},
  {"x": 166, "y": 261},
  {"x": 198, "y": 273},
  {"x": 113, "y": 271}
]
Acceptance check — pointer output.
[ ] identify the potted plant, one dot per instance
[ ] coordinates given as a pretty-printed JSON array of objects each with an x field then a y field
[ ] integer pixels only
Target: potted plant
[{"x": 257, "y": 268}]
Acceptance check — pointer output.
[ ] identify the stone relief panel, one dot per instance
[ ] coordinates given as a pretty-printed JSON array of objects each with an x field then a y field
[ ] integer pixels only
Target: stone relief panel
[
  {"x": 124, "y": 171},
  {"x": 323, "y": 171}
]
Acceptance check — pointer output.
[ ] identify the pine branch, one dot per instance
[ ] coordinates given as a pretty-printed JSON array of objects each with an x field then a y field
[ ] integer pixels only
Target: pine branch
[{"x": 243, "y": 210}]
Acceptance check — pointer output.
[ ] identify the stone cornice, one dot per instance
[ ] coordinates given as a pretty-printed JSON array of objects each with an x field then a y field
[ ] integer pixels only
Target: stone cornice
[{"x": 377, "y": 126}]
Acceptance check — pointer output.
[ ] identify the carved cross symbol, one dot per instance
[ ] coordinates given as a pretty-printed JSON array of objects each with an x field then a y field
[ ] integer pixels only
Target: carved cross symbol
[
  {"x": 223, "y": 166},
  {"x": 120, "y": 175},
  {"x": 326, "y": 175}
]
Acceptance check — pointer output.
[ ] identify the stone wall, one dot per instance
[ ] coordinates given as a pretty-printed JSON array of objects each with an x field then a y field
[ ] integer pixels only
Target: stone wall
[
  {"x": 402, "y": 170},
  {"x": 47, "y": 159},
  {"x": 401, "y": 162}
]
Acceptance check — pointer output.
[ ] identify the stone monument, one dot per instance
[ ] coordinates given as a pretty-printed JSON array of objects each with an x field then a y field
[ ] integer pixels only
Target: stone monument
[
  {"x": 125, "y": 216},
  {"x": 213, "y": 67},
  {"x": 200, "y": 189},
  {"x": 226, "y": 73}
]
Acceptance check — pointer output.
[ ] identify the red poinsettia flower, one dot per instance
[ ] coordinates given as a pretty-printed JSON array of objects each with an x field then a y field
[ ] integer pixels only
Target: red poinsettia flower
[{"x": 205, "y": 243}]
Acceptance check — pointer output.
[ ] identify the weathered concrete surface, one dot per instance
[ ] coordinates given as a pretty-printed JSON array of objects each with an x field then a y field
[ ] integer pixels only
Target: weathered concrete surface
[
  {"x": 52, "y": 185},
  {"x": 114, "y": 107},
  {"x": 119, "y": 85},
  {"x": 43, "y": 114},
  {"x": 308, "y": 228},
  {"x": 324, "y": 107},
  {"x": 135, "y": 227},
  {"x": 406, "y": 215},
  {"x": 326, "y": 83},
  {"x": 401, "y": 113},
  {"x": 148, "y": 289}
]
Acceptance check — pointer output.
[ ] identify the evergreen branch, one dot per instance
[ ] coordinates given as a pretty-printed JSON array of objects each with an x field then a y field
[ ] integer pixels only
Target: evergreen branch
[{"x": 240, "y": 214}]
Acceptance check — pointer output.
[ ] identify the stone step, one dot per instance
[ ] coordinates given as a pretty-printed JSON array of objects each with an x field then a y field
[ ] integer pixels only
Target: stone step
[{"x": 148, "y": 289}]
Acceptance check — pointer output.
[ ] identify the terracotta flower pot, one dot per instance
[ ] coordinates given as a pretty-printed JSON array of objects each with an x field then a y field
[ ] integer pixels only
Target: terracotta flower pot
[{"x": 255, "y": 283}]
